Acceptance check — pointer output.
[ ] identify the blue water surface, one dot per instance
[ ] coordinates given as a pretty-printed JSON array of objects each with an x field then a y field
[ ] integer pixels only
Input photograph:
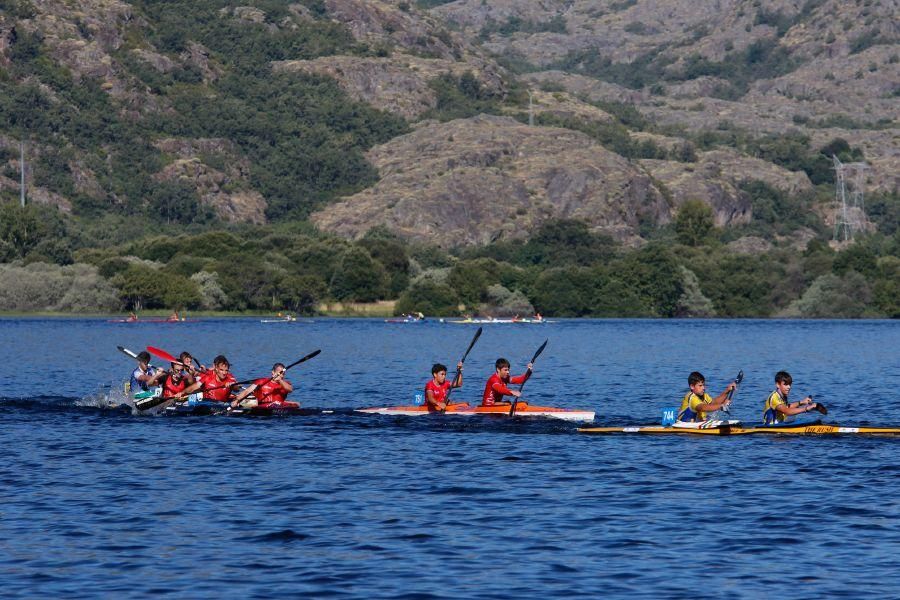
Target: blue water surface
[{"x": 97, "y": 502}]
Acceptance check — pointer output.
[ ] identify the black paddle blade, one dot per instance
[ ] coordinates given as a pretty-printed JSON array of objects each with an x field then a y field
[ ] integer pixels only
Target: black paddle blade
[
  {"x": 539, "y": 350},
  {"x": 304, "y": 359},
  {"x": 821, "y": 408},
  {"x": 148, "y": 403},
  {"x": 740, "y": 377}
]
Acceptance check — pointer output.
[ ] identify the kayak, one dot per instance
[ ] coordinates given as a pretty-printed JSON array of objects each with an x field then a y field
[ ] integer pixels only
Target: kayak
[
  {"x": 481, "y": 321},
  {"x": 735, "y": 428},
  {"x": 499, "y": 410},
  {"x": 136, "y": 321},
  {"x": 404, "y": 320},
  {"x": 197, "y": 407},
  {"x": 281, "y": 320},
  {"x": 277, "y": 409},
  {"x": 211, "y": 407}
]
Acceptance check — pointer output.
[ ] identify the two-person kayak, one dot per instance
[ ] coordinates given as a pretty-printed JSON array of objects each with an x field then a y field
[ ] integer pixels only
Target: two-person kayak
[
  {"x": 737, "y": 428},
  {"x": 499, "y": 410}
]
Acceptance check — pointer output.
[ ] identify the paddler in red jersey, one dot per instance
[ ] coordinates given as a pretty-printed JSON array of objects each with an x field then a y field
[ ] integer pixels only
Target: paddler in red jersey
[
  {"x": 191, "y": 371},
  {"x": 267, "y": 391},
  {"x": 174, "y": 381},
  {"x": 497, "y": 385},
  {"x": 216, "y": 383},
  {"x": 437, "y": 389}
]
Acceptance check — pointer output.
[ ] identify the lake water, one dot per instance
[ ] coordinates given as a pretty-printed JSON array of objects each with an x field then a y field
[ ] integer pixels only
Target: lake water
[{"x": 97, "y": 502}]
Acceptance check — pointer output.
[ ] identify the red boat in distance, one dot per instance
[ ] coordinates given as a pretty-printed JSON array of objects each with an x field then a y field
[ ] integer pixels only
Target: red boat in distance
[{"x": 133, "y": 318}]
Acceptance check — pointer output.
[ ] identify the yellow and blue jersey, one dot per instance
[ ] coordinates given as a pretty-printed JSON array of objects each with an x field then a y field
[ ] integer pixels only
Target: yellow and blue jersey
[
  {"x": 770, "y": 415},
  {"x": 689, "y": 410}
]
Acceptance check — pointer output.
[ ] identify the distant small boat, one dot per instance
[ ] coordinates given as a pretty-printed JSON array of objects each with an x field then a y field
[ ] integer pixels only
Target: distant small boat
[
  {"x": 285, "y": 319},
  {"x": 152, "y": 320}
]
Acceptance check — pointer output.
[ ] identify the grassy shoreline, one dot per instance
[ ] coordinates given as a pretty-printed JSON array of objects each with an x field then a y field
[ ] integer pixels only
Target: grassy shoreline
[{"x": 384, "y": 308}]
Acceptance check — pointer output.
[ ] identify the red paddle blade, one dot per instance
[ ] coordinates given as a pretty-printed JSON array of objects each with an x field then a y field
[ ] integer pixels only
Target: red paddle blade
[{"x": 162, "y": 354}]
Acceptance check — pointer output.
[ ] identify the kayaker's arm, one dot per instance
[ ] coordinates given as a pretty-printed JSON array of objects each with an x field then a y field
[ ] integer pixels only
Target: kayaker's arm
[
  {"x": 189, "y": 389},
  {"x": 521, "y": 379},
  {"x": 154, "y": 379},
  {"x": 457, "y": 381},
  {"x": 719, "y": 401},
  {"x": 797, "y": 408},
  {"x": 502, "y": 389},
  {"x": 286, "y": 385},
  {"x": 243, "y": 394}
]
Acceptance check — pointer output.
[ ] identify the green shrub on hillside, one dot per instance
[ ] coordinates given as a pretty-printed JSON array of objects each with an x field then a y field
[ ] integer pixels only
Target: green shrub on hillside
[
  {"x": 429, "y": 298},
  {"x": 461, "y": 97}
]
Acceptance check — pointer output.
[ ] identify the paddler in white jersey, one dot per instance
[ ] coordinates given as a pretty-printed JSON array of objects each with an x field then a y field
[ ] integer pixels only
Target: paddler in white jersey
[{"x": 144, "y": 376}]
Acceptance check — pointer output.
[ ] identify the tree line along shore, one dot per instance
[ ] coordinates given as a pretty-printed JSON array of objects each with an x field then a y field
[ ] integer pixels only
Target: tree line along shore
[{"x": 54, "y": 262}]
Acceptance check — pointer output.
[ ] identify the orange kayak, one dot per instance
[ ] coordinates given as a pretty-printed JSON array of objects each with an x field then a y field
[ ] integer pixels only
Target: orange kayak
[{"x": 498, "y": 410}]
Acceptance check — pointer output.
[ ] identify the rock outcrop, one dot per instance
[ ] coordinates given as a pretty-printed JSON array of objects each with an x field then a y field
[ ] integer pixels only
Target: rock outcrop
[
  {"x": 472, "y": 181},
  {"x": 226, "y": 189}
]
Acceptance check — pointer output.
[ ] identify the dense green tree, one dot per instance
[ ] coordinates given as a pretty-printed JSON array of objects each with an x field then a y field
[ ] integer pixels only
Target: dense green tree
[
  {"x": 392, "y": 256},
  {"x": 177, "y": 202},
  {"x": 429, "y": 298},
  {"x": 564, "y": 292},
  {"x": 566, "y": 241},
  {"x": 694, "y": 223},
  {"x": 358, "y": 278},
  {"x": 652, "y": 272},
  {"x": 614, "y": 297},
  {"x": 141, "y": 287},
  {"x": 831, "y": 296},
  {"x": 859, "y": 257},
  {"x": 24, "y": 228},
  {"x": 301, "y": 293},
  {"x": 471, "y": 279}
]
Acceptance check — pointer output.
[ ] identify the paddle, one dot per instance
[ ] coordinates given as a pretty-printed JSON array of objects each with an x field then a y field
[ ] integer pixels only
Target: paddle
[
  {"x": 163, "y": 355},
  {"x": 312, "y": 354},
  {"x": 512, "y": 409},
  {"x": 127, "y": 352},
  {"x": 737, "y": 381},
  {"x": 131, "y": 354},
  {"x": 819, "y": 406},
  {"x": 461, "y": 361}
]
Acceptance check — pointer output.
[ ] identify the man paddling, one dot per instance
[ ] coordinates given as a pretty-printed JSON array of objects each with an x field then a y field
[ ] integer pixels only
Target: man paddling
[
  {"x": 697, "y": 403},
  {"x": 267, "y": 391},
  {"x": 191, "y": 371},
  {"x": 175, "y": 381},
  {"x": 436, "y": 390},
  {"x": 777, "y": 408},
  {"x": 497, "y": 385},
  {"x": 216, "y": 383},
  {"x": 144, "y": 376}
]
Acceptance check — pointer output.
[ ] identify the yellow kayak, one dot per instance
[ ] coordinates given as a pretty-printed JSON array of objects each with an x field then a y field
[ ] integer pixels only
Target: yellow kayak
[{"x": 731, "y": 428}]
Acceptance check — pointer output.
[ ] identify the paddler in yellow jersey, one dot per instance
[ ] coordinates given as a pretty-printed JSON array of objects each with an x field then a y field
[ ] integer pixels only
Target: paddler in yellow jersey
[
  {"x": 777, "y": 408},
  {"x": 697, "y": 402}
]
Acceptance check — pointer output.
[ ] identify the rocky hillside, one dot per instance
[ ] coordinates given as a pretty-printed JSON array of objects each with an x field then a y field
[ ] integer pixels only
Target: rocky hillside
[
  {"x": 472, "y": 181},
  {"x": 823, "y": 67},
  {"x": 358, "y": 113}
]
